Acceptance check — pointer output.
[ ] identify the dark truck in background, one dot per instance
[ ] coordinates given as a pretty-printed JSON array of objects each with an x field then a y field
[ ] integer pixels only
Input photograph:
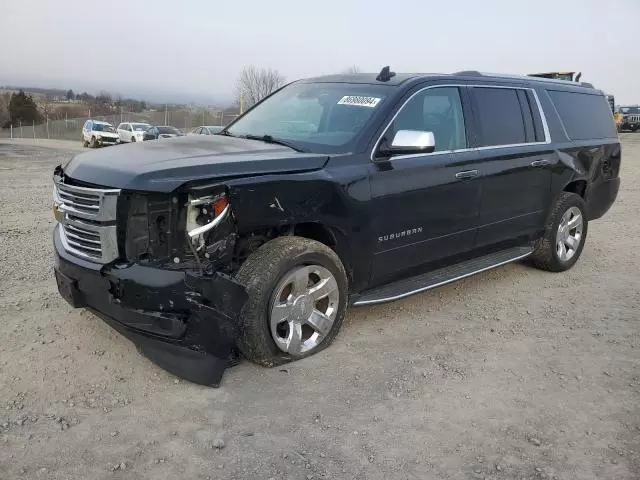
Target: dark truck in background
[{"x": 333, "y": 191}]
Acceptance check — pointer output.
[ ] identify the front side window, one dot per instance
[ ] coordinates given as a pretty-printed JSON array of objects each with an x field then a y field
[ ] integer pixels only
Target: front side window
[
  {"x": 437, "y": 110},
  {"x": 320, "y": 117},
  {"x": 500, "y": 116}
]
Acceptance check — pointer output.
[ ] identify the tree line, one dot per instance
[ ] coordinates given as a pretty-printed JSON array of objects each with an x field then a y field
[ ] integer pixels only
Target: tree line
[
  {"x": 252, "y": 85},
  {"x": 20, "y": 108}
]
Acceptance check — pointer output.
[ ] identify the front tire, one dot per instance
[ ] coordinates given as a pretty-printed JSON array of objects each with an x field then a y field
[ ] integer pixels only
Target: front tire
[
  {"x": 93, "y": 143},
  {"x": 565, "y": 234},
  {"x": 133, "y": 139},
  {"x": 297, "y": 300}
]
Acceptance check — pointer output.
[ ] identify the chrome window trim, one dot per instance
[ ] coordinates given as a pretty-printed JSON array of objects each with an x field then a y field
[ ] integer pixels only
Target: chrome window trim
[{"x": 543, "y": 117}]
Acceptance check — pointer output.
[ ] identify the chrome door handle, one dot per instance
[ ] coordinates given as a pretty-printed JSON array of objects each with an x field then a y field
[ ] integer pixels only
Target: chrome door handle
[
  {"x": 467, "y": 174},
  {"x": 539, "y": 163}
]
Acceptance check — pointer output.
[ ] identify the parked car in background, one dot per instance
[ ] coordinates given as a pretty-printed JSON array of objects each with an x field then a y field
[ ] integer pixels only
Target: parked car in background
[
  {"x": 207, "y": 130},
  {"x": 630, "y": 117},
  {"x": 132, "y": 131},
  {"x": 96, "y": 133},
  {"x": 162, "y": 131}
]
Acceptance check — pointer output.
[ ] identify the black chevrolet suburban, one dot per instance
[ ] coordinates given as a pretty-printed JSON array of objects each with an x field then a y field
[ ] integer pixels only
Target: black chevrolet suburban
[{"x": 331, "y": 192}]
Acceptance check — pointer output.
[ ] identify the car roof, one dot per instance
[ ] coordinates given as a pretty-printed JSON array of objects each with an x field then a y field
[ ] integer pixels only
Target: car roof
[
  {"x": 362, "y": 78},
  {"x": 410, "y": 78}
]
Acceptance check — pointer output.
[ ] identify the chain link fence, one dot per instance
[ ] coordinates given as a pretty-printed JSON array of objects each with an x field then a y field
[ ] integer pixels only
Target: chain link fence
[{"x": 71, "y": 129}]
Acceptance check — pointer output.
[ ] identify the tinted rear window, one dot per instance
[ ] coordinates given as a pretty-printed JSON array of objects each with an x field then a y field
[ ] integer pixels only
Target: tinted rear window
[
  {"x": 584, "y": 116},
  {"x": 500, "y": 116}
]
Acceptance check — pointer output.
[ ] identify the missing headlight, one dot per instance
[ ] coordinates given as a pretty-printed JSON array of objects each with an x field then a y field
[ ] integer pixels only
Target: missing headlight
[{"x": 204, "y": 214}]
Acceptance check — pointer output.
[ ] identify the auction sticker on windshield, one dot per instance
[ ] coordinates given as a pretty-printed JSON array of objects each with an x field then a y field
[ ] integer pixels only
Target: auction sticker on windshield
[{"x": 370, "y": 102}]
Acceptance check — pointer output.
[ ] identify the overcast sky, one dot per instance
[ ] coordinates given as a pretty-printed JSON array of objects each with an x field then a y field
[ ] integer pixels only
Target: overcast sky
[{"x": 198, "y": 47}]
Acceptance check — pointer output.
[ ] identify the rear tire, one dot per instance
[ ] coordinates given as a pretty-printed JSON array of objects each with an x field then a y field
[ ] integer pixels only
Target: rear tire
[
  {"x": 284, "y": 321},
  {"x": 565, "y": 234}
]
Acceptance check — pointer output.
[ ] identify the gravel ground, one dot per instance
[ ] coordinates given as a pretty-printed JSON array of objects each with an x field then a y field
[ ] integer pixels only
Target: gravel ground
[{"x": 512, "y": 374}]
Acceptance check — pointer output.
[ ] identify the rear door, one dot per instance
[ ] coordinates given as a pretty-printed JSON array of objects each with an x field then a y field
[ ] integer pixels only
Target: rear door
[{"x": 516, "y": 163}]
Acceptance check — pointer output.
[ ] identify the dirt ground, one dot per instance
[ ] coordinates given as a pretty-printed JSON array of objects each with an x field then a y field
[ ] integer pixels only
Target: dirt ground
[{"x": 512, "y": 374}]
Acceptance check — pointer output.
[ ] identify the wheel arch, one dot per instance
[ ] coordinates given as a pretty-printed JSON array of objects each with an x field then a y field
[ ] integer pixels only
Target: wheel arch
[{"x": 331, "y": 237}]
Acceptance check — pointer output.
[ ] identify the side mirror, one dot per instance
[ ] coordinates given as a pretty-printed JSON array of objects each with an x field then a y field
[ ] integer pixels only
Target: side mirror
[{"x": 408, "y": 142}]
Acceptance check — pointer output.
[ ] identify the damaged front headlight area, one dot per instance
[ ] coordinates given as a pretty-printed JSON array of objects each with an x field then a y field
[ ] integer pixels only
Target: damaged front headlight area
[
  {"x": 210, "y": 229},
  {"x": 187, "y": 230},
  {"x": 205, "y": 213}
]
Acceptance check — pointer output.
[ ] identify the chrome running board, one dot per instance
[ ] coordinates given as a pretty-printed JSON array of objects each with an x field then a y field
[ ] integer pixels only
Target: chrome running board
[{"x": 442, "y": 276}]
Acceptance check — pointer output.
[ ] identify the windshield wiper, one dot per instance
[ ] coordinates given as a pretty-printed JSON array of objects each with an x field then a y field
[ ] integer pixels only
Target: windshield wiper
[{"x": 270, "y": 139}]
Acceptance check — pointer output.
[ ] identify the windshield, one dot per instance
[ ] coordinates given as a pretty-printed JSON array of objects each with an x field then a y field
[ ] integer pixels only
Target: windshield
[
  {"x": 316, "y": 116},
  {"x": 630, "y": 110},
  {"x": 101, "y": 127},
  {"x": 170, "y": 130},
  {"x": 140, "y": 127}
]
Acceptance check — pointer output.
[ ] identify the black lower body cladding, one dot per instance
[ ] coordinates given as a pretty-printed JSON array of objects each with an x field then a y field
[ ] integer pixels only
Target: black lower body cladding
[{"x": 184, "y": 323}]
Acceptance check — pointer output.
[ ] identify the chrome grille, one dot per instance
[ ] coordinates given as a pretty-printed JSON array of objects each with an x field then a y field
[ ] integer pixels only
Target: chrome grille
[
  {"x": 87, "y": 221},
  {"x": 633, "y": 118},
  {"x": 88, "y": 203}
]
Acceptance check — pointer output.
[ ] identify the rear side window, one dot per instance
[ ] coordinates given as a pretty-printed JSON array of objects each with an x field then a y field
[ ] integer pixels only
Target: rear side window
[
  {"x": 584, "y": 116},
  {"x": 500, "y": 116}
]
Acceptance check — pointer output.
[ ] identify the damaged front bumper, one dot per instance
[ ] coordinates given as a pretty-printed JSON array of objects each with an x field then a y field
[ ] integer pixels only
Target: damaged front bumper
[{"x": 185, "y": 323}]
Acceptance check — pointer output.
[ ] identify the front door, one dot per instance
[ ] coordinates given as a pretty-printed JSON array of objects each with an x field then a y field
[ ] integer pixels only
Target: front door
[
  {"x": 425, "y": 207},
  {"x": 515, "y": 164}
]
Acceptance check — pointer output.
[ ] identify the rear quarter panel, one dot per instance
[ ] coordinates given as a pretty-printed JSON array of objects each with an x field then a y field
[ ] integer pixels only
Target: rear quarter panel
[{"x": 594, "y": 162}]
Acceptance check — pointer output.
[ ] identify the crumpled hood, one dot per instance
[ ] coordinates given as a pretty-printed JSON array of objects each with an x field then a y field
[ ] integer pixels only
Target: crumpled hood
[{"x": 164, "y": 166}]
